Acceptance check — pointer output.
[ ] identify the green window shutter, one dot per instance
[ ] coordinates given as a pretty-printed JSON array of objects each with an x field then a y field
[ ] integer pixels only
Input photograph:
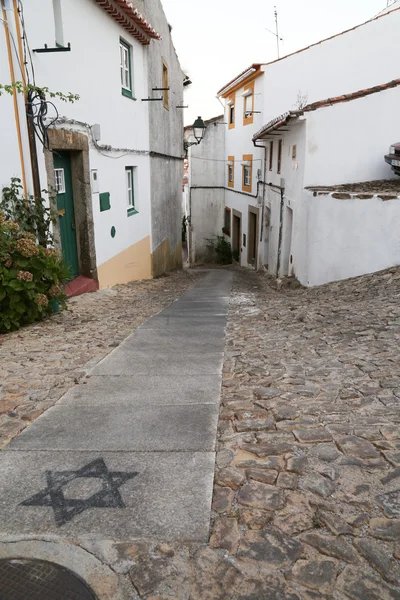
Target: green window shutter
[
  {"x": 105, "y": 203},
  {"x": 126, "y": 88}
]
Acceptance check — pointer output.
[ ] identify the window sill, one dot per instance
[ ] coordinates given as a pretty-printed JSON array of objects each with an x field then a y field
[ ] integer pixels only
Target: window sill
[
  {"x": 127, "y": 94},
  {"x": 132, "y": 211}
]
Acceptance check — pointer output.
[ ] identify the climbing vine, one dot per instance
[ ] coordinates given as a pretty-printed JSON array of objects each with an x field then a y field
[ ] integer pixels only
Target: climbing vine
[{"x": 21, "y": 88}]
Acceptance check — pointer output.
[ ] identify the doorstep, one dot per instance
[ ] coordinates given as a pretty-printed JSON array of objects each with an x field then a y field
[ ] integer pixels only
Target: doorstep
[{"x": 81, "y": 285}]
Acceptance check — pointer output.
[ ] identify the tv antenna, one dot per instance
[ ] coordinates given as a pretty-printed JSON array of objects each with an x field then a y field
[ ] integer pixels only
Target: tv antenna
[{"x": 276, "y": 34}]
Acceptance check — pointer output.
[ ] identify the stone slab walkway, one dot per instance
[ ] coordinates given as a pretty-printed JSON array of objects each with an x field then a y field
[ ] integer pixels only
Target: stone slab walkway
[
  {"x": 39, "y": 363},
  {"x": 130, "y": 451}
]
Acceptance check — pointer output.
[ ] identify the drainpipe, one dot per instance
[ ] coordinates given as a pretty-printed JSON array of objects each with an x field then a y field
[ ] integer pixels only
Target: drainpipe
[
  {"x": 263, "y": 147},
  {"x": 282, "y": 192},
  {"x": 189, "y": 228}
]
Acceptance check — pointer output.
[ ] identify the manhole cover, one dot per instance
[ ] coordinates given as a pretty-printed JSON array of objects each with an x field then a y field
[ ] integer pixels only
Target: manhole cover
[{"x": 39, "y": 580}]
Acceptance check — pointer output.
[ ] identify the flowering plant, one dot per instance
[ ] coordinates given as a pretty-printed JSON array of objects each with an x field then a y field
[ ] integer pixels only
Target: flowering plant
[{"x": 31, "y": 276}]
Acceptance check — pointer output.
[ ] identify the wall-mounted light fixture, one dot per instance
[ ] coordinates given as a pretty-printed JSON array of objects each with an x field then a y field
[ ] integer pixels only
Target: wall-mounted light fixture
[{"x": 199, "y": 129}]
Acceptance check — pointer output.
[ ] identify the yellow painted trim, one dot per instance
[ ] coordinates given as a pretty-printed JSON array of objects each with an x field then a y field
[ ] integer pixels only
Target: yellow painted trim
[
  {"x": 165, "y": 93},
  {"x": 247, "y": 158},
  {"x": 232, "y": 98},
  {"x": 248, "y": 120},
  {"x": 131, "y": 264},
  {"x": 231, "y": 184},
  {"x": 15, "y": 100},
  {"x": 243, "y": 83}
]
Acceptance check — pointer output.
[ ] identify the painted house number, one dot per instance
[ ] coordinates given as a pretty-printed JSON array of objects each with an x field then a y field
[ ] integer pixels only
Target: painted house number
[{"x": 59, "y": 181}]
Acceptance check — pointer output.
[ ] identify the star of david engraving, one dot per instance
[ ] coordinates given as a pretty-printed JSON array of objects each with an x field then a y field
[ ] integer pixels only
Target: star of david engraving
[{"x": 65, "y": 509}]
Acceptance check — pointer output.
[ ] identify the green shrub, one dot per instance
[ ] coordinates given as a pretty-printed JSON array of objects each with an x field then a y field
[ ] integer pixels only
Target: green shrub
[
  {"x": 32, "y": 214},
  {"x": 31, "y": 277},
  {"x": 236, "y": 255},
  {"x": 222, "y": 249}
]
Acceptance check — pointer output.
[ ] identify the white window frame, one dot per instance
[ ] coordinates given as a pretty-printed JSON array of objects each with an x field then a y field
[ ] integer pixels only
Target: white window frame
[
  {"x": 248, "y": 104},
  {"x": 231, "y": 115},
  {"x": 130, "y": 186},
  {"x": 125, "y": 63},
  {"x": 59, "y": 180},
  {"x": 246, "y": 175},
  {"x": 230, "y": 173}
]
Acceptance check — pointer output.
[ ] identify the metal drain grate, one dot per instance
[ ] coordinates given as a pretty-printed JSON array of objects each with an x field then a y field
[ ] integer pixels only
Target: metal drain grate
[{"x": 22, "y": 579}]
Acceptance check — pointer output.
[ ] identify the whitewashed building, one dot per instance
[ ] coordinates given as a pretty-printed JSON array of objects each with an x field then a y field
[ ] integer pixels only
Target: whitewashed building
[
  {"x": 245, "y": 165},
  {"x": 261, "y": 182},
  {"x": 115, "y": 156},
  {"x": 334, "y": 206}
]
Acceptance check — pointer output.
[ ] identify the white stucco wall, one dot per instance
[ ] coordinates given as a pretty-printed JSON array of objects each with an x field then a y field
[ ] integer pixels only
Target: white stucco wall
[
  {"x": 206, "y": 193},
  {"x": 347, "y": 238},
  {"x": 91, "y": 69},
  {"x": 291, "y": 179},
  {"x": 347, "y": 142},
  {"x": 358, "y": 59}
]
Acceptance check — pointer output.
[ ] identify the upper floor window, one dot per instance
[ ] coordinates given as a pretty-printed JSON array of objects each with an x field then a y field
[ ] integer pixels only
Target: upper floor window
[
  {"x": 125, "y": 52},
  {"x": 231, "y": 112},
  {"x": 165, "y": 84},
  {"x": 271, "y": 155},
  {"x": 247, "y": 172},
  {"x": 246, "y": 176},
  {"x": 248, "y": 104},
  {"x": 280, "y": 144},
  {"x": 231, "y": 171}
]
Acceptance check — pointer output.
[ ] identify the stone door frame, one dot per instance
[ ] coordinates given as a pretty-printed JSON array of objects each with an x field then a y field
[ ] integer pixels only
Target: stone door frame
[{"x": 77, "y": 145}]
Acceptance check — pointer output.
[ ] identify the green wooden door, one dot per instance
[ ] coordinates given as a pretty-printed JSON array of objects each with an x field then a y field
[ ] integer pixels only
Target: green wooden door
[{"x": 65, "y": 207}]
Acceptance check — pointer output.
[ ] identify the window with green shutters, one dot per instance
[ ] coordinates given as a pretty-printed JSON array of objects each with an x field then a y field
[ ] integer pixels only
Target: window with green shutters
[
  {"x": 130, "y": 190},
  {"x": 125, "y": 55}
]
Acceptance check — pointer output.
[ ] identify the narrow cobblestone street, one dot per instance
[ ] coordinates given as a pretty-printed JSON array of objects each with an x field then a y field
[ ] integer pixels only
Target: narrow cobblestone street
[
  {"x": 307, "y": 486},
  {"x": 306, "y": 501}
]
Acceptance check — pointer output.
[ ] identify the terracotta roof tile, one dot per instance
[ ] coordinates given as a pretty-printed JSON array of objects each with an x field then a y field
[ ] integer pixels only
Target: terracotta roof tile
[
  {"x": 294, "y": 114},
  {"x": 130, "y": 19}
]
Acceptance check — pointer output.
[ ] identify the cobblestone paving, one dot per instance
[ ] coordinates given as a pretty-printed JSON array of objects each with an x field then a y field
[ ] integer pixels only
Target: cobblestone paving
[
  {"x": 39, "y": 363},
  {"x": 307, "y": 486}
]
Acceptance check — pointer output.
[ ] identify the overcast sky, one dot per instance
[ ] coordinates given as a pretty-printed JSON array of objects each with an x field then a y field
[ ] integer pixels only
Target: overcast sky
[{"x": 217, "y": 39}]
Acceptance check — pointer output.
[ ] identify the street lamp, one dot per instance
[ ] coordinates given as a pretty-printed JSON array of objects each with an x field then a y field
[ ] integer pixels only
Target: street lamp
[{"x": 199, "y": 130}]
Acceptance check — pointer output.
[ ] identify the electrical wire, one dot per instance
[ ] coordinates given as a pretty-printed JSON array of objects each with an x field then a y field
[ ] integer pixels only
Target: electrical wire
[
  {"x": 38, "y": 108},
  {"x": 14, "y": 44},
  {"x": 27, "y": 50},
  {"x": 99, "y": 148}
]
